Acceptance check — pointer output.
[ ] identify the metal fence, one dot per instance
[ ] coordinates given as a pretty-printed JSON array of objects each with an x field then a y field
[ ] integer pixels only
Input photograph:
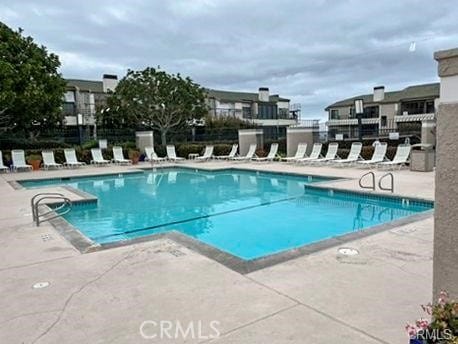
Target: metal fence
[
  {"x": 372, "y": 132},
  {"x": 75, "y": 135}
]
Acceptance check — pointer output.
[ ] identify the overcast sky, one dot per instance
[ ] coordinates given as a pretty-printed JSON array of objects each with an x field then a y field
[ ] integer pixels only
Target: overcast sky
[{"x": 314, "y": 52}]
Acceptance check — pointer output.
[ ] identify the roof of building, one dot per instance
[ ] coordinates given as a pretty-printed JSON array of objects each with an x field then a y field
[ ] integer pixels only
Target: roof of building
[
  {"x": 411, "y": 92},
  {"x": 231, "y": 96},
  {"x": 85, "y": 85}
]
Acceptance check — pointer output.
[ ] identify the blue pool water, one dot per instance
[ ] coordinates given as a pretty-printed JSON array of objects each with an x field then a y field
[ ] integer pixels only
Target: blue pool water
[{"x": 248, "y": 214}]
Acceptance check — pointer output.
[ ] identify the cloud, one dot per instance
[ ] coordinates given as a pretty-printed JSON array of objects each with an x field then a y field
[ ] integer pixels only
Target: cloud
[{"x": 313, "y": 52}]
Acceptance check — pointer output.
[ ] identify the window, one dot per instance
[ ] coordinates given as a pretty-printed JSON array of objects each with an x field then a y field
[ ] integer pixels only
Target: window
[
  {"x": 334, "y": 114},
  {"x": 371, "y": 111},
  {"x": 283, "y": 112},
  {"x": 69, "y": 109},
  {"x": 352, "y": 113},
  {"x": 246, "y": 112},
  {"x": 69, "y": 97},
  {"x": 417, "y": 107},
  {"x": 267, "y": 111},
  {"x": 274, "y": 133},
  {"x": 383, "y": 121}
]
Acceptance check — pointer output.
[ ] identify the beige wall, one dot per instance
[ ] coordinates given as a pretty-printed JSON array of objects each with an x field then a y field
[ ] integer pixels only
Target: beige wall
[
  {"x": 248, "y": 137},
  {"x": 388, "y": 110},
  {"x": 344, "y": 112},
  {"x": 283, "y": 105},
  {"x": 294, "y": 136}
]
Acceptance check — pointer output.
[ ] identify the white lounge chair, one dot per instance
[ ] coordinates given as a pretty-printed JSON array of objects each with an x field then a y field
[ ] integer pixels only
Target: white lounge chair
[
  {"x": 378, "y": 156},
  {"x": 18, "y": 157},
  {"x": 207, "y": 154},
  {"x": 152, "y": 156},
  {"x": 231, "y": 155},
  {"x": 331, "y": 154},
  {"x": 272, "y": 154},
  {"x": 97, "y": 157},
  {"x": 315, "y": 155},
  {"x": 70, "y": 158},
  {"x": 401, "y": 157},
  {"x": 49, "y": 161},
  {"x": 300, "y": 153},
  {"x": 2, "y": 166},
  {"x": 172, "y": 155},
  {"x": 353, "y": 156},
  {"x": 250, "y": 154},
  {"x": 118, "y": 156}
]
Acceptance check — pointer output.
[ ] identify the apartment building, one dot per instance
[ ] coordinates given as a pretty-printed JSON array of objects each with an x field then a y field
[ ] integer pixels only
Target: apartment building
[
  {"x": 402, "y": 111},
  {"x": 82, "y": 98},
  {"x": 271, "y": 112}
]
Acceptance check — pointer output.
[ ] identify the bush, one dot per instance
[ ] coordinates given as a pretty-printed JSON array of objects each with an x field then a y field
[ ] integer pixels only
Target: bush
[
  {"x": 33, "y": 156},
  {"x": 222, "y": 149},
  {"x": 90, "y": 144},
  {"x": 160, "y": 150},
  {"x": 184, "y": 150},
  {"x": 342, "y": 153},
  {"x": 391, "y": 152},
  {"x": 260, "y": 152},
  {"x": 83, "y": 155}
]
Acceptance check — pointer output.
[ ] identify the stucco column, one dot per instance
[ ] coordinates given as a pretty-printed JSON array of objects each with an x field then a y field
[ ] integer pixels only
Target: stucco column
[
  {"x": 297, "y": 135},
  {"x": 248, "y": 137},
  {"x": 445, "y": 260},
  {"x": 144, "y": 139}
]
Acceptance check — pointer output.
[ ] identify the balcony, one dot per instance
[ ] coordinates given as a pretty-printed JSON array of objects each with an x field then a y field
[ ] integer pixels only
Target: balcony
[{"x": 308, "y": 123}]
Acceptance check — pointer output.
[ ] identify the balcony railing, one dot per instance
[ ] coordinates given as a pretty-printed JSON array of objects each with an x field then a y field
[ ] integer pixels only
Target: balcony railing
[
  {"x": 309, "y": 123},
  {"x": 219, "y": 112}
]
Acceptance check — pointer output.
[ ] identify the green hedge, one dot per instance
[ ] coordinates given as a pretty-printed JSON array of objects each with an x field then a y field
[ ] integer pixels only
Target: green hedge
[{"x": 366, "y": 152}]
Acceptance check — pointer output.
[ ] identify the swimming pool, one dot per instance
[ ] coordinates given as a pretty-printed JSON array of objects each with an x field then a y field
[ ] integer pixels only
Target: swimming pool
[{"x": 248, "y": 214}]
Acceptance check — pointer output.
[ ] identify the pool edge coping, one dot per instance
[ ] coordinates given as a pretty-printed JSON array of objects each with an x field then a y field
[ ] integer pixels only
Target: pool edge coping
[
  {"x": 85, "y": 245},
  {"x": 248, "y": 266}
]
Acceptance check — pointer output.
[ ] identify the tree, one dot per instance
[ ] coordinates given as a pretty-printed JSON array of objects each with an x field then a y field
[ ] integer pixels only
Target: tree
[
  {"x": 155, "y": 99},
  {"x": 31, "y": 89}
]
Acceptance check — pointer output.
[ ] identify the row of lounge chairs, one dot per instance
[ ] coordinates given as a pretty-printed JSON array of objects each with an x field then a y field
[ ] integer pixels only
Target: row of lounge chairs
[
  {"x": 354, "y": 157},
  {"x": 208, "y": 154},
  {"x": 19, "y": 161}
]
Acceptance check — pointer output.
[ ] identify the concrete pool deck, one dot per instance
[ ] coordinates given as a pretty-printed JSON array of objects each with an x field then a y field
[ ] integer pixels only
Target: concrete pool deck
[{"x": 105, "y": 296}]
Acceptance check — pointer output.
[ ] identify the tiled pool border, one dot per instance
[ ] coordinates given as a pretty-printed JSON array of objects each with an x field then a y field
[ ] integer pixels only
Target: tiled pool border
[
  {"x": 85, "y": 245},
  {"x": 377, "y": 196}
]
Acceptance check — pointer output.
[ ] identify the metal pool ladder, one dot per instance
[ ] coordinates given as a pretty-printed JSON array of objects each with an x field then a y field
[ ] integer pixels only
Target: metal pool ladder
[
  {"x": 391, "y": 188},
  {"x": 36, "y": 201},
  {"x": 372, "y": 185}
]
